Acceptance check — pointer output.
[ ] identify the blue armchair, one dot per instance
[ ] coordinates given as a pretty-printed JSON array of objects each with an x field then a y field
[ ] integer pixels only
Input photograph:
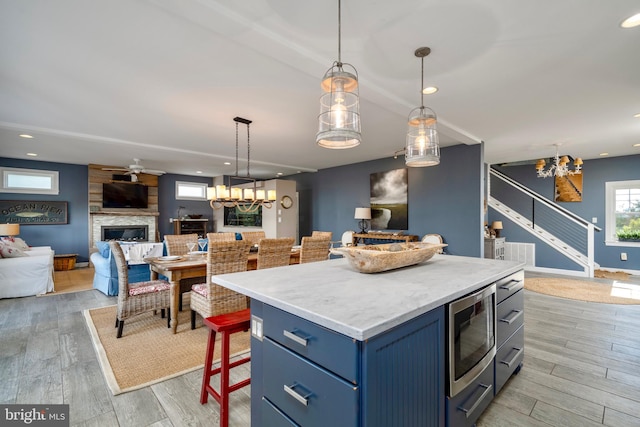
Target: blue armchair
[{"x": 105, "y": 278}]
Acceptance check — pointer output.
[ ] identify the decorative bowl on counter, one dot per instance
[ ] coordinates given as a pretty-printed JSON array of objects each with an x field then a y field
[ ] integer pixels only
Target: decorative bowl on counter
[{"x": 378, "y": 258}]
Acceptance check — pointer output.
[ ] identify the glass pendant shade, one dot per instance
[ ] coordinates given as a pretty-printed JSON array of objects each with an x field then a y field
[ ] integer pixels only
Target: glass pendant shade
[
  {"x": 422, "y": 147},
  {"x": 339, "y": 119}
]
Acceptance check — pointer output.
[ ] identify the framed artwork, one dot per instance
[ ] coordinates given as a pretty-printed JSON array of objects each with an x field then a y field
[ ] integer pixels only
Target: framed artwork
[
  {"x": 30, "y": 212},
  {"x": 389, "y": 200},
  {"x": 568, "y": 188}
]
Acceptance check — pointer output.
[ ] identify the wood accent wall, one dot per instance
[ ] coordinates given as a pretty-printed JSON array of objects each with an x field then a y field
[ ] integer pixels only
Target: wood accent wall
[{"x": 97, "y": 177}]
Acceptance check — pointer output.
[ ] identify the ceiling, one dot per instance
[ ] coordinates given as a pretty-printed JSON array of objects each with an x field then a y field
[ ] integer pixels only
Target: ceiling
[{"x": 162, "y": 80}]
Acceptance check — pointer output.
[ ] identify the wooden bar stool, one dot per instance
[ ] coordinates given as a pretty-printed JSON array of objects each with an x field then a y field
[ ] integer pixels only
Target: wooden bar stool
[{"x": 225, "y": 324}]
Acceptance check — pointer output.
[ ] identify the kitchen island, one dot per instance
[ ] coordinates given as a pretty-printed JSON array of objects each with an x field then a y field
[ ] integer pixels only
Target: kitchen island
[{"x": 331, "y": 346}]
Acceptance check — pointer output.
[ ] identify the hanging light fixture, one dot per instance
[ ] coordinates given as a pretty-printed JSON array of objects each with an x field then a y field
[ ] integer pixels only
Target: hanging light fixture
[
  {"x": 423, "y": 148},
  {"x": 559, "y": 167},
  {"x": 339, "y": 119},
  {"x": 245, "y": 199}
]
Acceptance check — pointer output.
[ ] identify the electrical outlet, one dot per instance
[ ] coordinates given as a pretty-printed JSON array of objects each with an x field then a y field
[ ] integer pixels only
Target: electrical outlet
[
  {"x": 256, "y": 327},
  {"x": 594, "y": 220},
  {"x": 623, "y": 256}
]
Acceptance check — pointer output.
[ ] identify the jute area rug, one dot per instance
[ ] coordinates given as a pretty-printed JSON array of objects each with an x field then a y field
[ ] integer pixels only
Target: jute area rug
[
  {"x": 617, "y": 293},
  {"x": 148, "y": 352}
]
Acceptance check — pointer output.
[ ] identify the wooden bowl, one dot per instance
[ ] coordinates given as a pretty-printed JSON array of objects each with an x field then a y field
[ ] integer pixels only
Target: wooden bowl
[{"x": 378, "y": 258}]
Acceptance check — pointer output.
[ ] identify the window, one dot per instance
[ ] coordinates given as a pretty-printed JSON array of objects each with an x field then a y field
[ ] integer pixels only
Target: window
[
  {"x": 30, "y": 181},
  {"x": 622, "y": 211},
  {"x": 191, "y": 190}
]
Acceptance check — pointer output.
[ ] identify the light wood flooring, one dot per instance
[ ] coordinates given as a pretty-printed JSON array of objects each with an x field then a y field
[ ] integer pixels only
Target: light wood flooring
[{"x": 581, "y": 368}]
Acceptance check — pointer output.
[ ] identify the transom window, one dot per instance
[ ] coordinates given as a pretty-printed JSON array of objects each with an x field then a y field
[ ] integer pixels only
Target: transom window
[
  {"x": 191, "y": 190},
  {"x": 30, "y": 181}
]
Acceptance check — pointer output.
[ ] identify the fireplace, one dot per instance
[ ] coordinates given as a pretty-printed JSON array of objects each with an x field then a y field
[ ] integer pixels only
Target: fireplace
[{"x": 132, "y": 233}]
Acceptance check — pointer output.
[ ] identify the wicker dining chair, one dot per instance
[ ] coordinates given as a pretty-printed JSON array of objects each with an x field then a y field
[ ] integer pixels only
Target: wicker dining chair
[
  {"x": 176, "y": 246},
  {"x": 253, "y": 237},
  {"x": 274, "y": 252},
  {"x": 314, "y": 249},
  {"x": 325, "y": 234},
  {"x": 209, "y": 299},
  {"x": 140, "y": 297},
  {"x": 221, "y": 237}
]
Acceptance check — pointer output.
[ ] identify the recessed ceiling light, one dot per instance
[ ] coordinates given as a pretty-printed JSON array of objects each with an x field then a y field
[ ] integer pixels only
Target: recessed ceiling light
[
  {"x": 636, "y": 145},
  {"x": 279, "y": 174},
  {"x": 227, "y": 163},
  {"x": 604, "y": 154},
  {"x": 632, "y": 21},
  {"x": 198, "y": 171},
  {"x": 637, "y": 116},
  {"x": 429, "y": 90},
  {"x": 24, "y": 135},
  {"x": 32, "y": 154}
]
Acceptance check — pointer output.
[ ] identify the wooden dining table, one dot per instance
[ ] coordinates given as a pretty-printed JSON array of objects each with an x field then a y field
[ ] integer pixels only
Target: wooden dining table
[{"x": 190, "y": 266}]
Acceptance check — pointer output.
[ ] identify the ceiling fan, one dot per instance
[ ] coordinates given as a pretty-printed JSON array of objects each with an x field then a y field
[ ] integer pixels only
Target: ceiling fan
[{"x": 135, "y": 169}]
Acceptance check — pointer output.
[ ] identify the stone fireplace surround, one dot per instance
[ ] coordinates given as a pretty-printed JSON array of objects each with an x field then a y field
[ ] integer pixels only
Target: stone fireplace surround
[{"x": 101, "y": 219}]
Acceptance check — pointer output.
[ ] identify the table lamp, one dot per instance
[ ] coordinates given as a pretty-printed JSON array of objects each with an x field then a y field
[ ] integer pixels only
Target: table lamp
[
  {"x": 497, "y": 226},
  {"x": 9, "y": 229},
  {"x": 363, "y": 214}
]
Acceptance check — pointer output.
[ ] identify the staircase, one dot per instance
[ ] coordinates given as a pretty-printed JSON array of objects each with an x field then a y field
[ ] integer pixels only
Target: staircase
[{"x": 545, "y": 219}]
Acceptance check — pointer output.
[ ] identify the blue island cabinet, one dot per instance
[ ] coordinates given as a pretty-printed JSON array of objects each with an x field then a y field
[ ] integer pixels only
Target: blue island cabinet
[{"x": 303, "y": 374}]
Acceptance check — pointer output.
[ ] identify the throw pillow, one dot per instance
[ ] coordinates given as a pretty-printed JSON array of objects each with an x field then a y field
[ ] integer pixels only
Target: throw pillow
[
  {"x": 15, "y": 242},
  {"x": 8, "y": 251}
]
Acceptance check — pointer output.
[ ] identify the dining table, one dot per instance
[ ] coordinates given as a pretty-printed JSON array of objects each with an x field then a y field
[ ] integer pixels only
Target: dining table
[{"x": 191, "y": 266}]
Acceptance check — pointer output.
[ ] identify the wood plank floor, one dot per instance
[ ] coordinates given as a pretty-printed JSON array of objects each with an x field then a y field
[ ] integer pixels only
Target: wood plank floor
[{"x": 581, "y": 368}]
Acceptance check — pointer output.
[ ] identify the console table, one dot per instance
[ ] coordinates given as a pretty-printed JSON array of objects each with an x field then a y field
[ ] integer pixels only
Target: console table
[{"x": 384, "y": 236}]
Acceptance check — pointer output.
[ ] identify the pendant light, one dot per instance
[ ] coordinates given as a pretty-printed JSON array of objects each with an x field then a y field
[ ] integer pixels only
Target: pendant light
[
  {"x": 422, "y": 148},
  {"x": 339, "y": 119}
]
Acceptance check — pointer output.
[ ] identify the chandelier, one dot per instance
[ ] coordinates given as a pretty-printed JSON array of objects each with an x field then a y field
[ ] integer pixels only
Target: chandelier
[
  {"x": 339, "y": 119},
  {"x": 422, "y": 148},
  {"x": 559, "y": 167},
  {"x": 245, "y": 199}
]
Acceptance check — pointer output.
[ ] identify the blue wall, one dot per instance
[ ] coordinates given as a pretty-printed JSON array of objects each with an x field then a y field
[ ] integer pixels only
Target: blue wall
[
  {"x": 446, "y": 199},
  {"x": 168, "y": 205},
  {"x": 596, "y": 173},
  {"x": 70, "y": 238}
]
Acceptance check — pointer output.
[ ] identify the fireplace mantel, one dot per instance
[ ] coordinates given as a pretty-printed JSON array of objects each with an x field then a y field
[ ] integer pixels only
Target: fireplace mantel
[{"x": 129, "y": 213}]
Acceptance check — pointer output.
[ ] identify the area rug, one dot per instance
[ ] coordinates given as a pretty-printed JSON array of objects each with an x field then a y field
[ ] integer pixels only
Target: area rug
[
  {"x": 615, "y": 275},
  {"x": 616, "y": 293},
  {"x": 148, "y": 352}
]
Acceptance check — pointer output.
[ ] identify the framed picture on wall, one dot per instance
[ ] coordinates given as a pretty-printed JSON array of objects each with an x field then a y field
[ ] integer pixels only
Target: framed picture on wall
[
  {"x": 389, "y": 200},
  {"x": 568, "y": 188}
]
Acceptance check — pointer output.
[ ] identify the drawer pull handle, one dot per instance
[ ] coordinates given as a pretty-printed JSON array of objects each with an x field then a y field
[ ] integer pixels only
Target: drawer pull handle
[
  {"x": 291, "y": 392},
  {"x": 512, "y": 316},
  {"x": 513, "y": 359},
  {"x": 487, "y": 389},
  {"x": 511, "y": 285},
  {"x": 293, "y": 337}
]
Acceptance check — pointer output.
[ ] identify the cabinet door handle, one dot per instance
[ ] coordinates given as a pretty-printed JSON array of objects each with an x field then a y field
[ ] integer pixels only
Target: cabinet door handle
[
  {"x": 513, "y": 359},
  {"x": 485, "y": 389},
  {"x": 512, "y": 316},
  {"x": 511, "y": 285},
  {"x": 291, "y": 392},
  {"x": 292, "y": 336}
]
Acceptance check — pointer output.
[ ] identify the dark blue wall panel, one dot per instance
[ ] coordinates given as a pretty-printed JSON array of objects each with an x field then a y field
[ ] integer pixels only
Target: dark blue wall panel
[
  {"x": 72, "y": 237},
  {"x": 596, "y": 173},
  {"x": 168, "y": 205},
  {"x": 446, "y": 199}
]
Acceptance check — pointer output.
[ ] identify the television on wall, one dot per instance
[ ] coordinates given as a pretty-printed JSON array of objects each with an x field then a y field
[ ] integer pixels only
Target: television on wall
[{"x": 124, "y": 195}]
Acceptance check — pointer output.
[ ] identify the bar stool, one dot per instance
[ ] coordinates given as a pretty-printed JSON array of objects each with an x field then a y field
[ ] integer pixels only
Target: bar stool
[{"x": 225, "y": 324}]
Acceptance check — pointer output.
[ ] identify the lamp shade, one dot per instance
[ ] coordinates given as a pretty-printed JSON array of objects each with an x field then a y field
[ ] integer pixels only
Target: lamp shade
[
  {"x": 362, "y": 213},
  {"x": 496, "y": 225},
  {"x": 9, "y": 229}
]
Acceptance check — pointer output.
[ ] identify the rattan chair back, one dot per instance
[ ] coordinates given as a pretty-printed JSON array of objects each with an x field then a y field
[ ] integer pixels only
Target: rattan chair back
[
  {"x": 314, "y": 249},
  {"x": 177, "y": 243},
  {"x": 221, "y": 237},
  {"x": 253, "y": 237},
  {"x": 325, "y": 234},
  {"x": 274, "y": 252}
]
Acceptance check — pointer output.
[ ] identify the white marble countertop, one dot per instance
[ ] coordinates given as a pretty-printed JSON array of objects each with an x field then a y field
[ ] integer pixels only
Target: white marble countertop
[{"x": 332, "y": 294}]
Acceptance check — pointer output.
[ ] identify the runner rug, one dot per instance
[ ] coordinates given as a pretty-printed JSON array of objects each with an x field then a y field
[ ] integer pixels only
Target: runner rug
[
  {"x": 616, "y": 293},
  {"x": 148, "y": 352}
]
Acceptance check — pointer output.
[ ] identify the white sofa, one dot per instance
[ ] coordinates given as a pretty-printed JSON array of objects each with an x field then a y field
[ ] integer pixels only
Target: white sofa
[{"x": 27, "y": 275}]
